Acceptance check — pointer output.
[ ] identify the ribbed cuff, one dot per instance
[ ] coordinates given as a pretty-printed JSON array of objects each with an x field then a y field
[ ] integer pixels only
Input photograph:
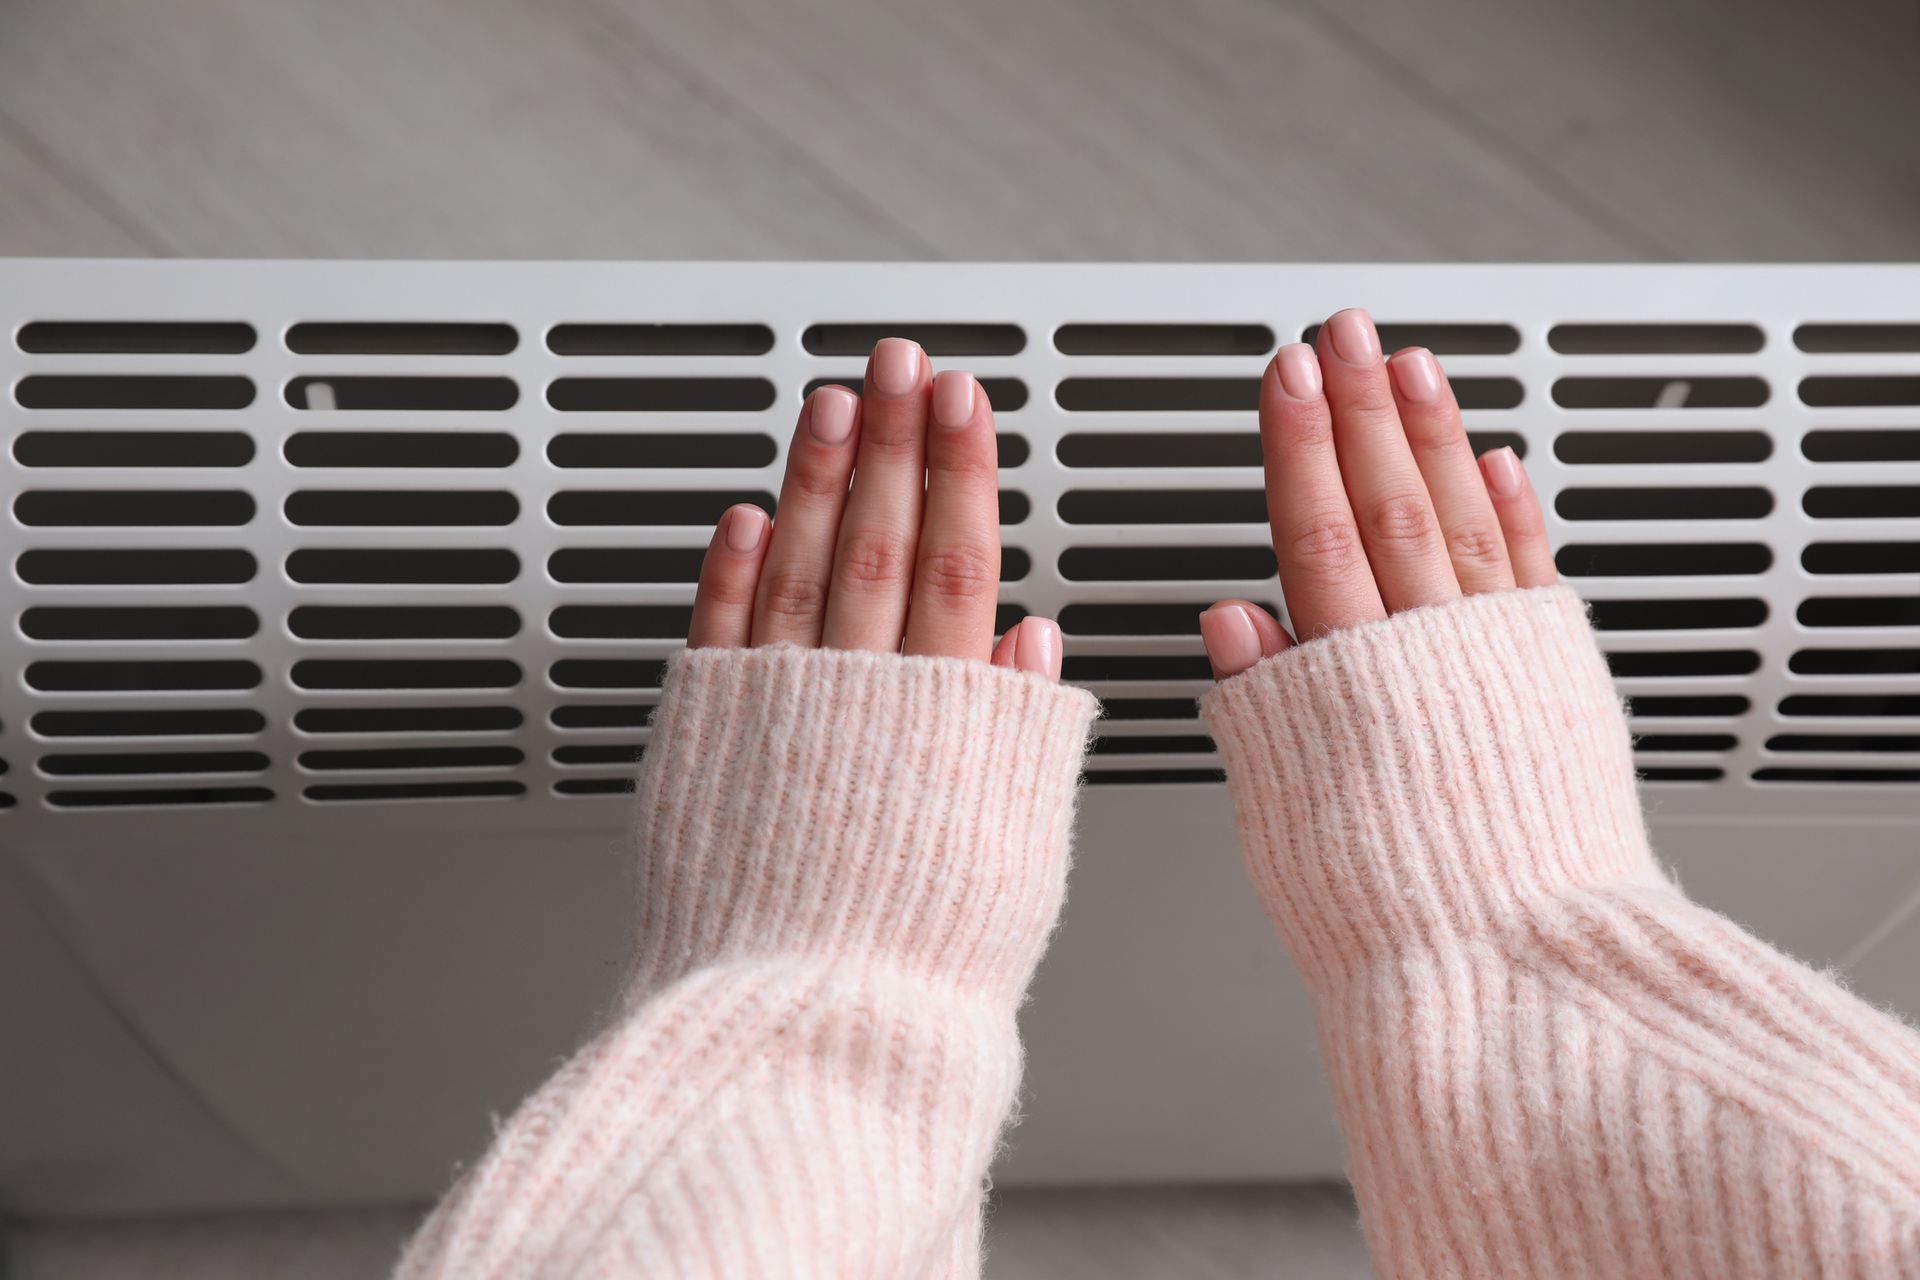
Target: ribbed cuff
[
  {"x": 1429, "y": 775},
  {"x": 861, "y": 806}
]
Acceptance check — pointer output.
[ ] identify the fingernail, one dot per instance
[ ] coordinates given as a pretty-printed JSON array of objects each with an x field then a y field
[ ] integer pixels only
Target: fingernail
[
  {"x": 1232, "y": 643},
  {"x": 1416, "y": 374},
  {"x": 1354, "y": 339},
  {"x": 831, "y": 417},
  {"x": 744, "y": 527},
  {"x": 896, "y": 366},
  {"x": 1299, "y": 371},
  {"x": 953, "y": 399},
  {"x": 1505, "y": 477},
  {"x": 1038, "y": 648}
]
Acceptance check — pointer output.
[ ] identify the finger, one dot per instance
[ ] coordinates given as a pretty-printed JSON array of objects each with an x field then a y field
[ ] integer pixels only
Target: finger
[
  {"x": 1037, "y": 647},
  {"x": 880, "y": 531},
  {"x": 723, "y": 604},
  {"x": 1324, "y": 573},
  {"x": 1389, "y": 499},
  {"x": 1239, "y": 633},
  {"x": 1003, "y": 652},
  {"x": 956, "y": 575},
  {"x": 1468, "y": 526},
  {"x": 791, "y": 604},
  {"x": 1520, "y": 520}
]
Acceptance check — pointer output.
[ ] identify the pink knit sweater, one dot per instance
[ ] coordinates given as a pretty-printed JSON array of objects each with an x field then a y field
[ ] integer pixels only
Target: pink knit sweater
[{"x": 1546, "y": 1060}]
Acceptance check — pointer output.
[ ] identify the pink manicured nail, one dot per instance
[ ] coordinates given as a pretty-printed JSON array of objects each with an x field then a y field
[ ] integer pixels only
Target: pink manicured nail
[
  {"x": 1416, "y": 374},
  {"x": 1299, "y": 371},
  {"x": 953, "y": 399},
  {"x": 1354, "y": 339},
  {"x": 831, "y": 417},
  {"x": 1232, "y": 643},
  {"x": 896, "y": 366},
  {"x": 744, "y": 527},
  {"x": 1505, "y": 478},
  {"x": 1038, "y": 648}
]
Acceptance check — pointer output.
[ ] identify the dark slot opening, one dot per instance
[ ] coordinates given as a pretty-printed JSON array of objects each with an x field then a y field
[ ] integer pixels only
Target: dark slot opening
[
  {"x": 593, "y": 787},
  {"x": 169, "y": 797},
  {"x": 1686, "y": 662},
  {"x": 1014, "y": 506},
  {"x": 1158, "y": 395},
  {"x": 74, "y": 766},
  {"x": 1662, "y": 560},
  {"x": 404, "y": 622},
  {"x": 62, "y": 622},
  {"x": 649, "y": 507},
  {"x": 1149, "y": 777},
  {"x": 136, "y": 337},
  {"x": 1855, "y": 662},
  {"x": 1163, "y": 339},
  {"x": 1128, "y": 666},
  {"x": 625, "y": 564},
  {"x": 1887, "y": 742},
  {"x": 1441, "y": 339},
  {"x": 1780, "y": 774},
  {"x": 1006, "y": 395},
  {"x": 607, "y": 673},
  {"x": 1875, "y": 444},
  {"x": 125, "y": 508},
  {"x": 103, "y": 676},
  {"x": 1169, "y": 744},
  {"x": 1676, "y": 615},
  {"x": 603, "y": 715},
  {"x": 1160, "y": 449},
  {"x": 1164, "y": 506},
  {"x": 236, "y": 722},
  {"x": 934, "y": 339},
  {"x": 1005, "y": 616},
  {"x": 609, "y": 753},
  {"x": 1851, "y": 704},
  {"x": 621, "y": 621},
  {"x": 1682, "y": 774},
  {"x": 413, "y": 758},
  {"x": 439, "y": 338},
  {"x": 1155, "y": 619},
  {"x": 1015, "y": 564},
  {"x": 133, "y": 391},
  {"x": 1860, "y": 611},
  {"x": 211, "y": 566},
  {"x": 660, "y": 339},
  {"x": 1150, "y": 708},
  {"x": 406, "y": 673},
  {"x": 1165, "y": 564},
  {"x": 1836, "y": 391},
  {"x": 691, "y": 449},
  {"x": 1655, "y": 339},
  {"x": 407, "y": 719},
  {"x": 1861, "y": 557},
  {"x": 1663, "y": 504},
  {"x": 378, "y": 566},
  {"x": 1697, "y": 704},
  {"x": 133, "y": 449},
  {"x": 1861, "y": 501},
  {"x": 402, "y": 449},
  {"x": 1868, "y": 339},
  {"x": 372, "y": 791},
  {"x": 402, "y": 508},
  {"x": 709, "y": 394},
  {"x": 1013, "y": 450},
  {"x": 1662, "y": 447},
  {"x": 1674, "y": 392},
  {"x": 1482, "y": 442},
  {"x": 403, "y": 394},
  {"x": 1658, "y": 743}
]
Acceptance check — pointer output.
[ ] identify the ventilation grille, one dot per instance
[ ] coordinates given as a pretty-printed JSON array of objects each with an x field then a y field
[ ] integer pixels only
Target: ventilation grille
[{"x": 350, "y": 535}]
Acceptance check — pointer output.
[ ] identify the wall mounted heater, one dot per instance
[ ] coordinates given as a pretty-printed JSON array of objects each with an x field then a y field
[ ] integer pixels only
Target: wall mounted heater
[{"x": 340, "y": 593}]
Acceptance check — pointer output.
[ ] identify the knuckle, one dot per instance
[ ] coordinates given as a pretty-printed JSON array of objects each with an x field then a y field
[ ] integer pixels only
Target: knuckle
[
  {"x": 1402, "y": 520},
  {"x": 890, "y": 442},
  {"x": 816, "y": 479},
  {"x": 961, "y": 572},
  {"x": 1476, "y": 545},
  {"x": 1372, "y": 400},
  {"x": 873, "y": 558},
  {"x": 794, "y": 596},
  {"x": 729, "y": 591},
  {"x": 1327, "y": 544}
]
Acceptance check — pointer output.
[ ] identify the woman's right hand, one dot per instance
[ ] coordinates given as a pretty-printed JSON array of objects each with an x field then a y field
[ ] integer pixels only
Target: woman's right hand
[{"x": 1375, "y": 500}]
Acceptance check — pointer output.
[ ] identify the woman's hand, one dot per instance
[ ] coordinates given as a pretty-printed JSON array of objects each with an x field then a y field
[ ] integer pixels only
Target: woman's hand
[
  {"x": 888, "y": 536},
  {"x": 1376, "y": 502}
]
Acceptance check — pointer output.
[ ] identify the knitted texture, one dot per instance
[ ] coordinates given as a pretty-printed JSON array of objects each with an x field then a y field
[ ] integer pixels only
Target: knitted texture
[
  {"x": 1547, "y": 1062},
  {"x": 849, "y": 864}
]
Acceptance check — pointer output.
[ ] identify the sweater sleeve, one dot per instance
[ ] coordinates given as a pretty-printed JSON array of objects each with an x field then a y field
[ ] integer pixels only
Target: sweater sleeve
[
  {"x": 1546, "y": 1060},
  {"x": 848, "y": 866}
]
